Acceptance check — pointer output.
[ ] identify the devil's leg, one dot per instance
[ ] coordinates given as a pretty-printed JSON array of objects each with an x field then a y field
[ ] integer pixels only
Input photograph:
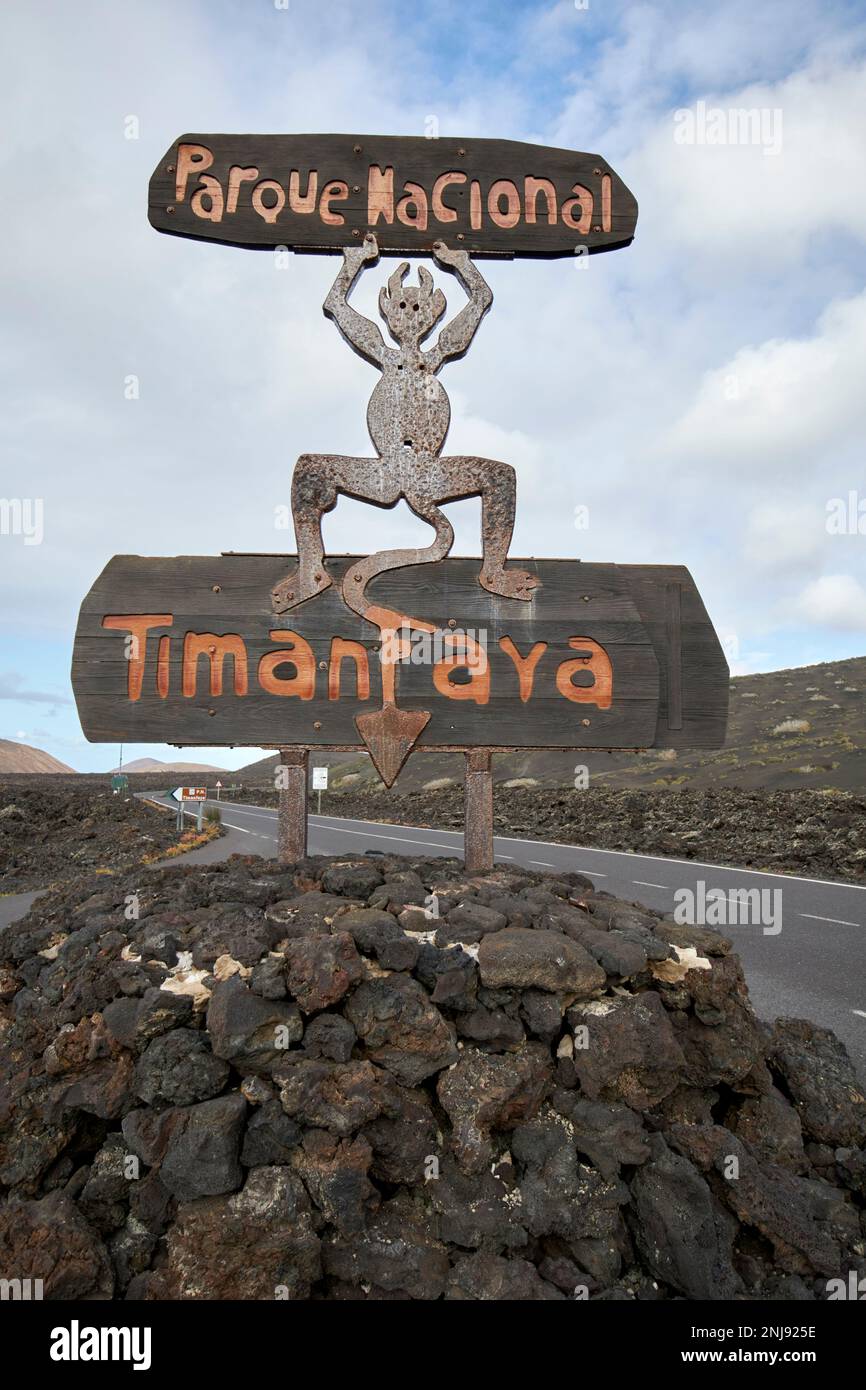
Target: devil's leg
[
  {"x": 317, "y": 482},
  {"x": 454, "y": 478}
]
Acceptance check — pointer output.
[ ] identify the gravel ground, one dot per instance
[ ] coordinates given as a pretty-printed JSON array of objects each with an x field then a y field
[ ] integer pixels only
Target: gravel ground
[{"x": 50, "y": 835}]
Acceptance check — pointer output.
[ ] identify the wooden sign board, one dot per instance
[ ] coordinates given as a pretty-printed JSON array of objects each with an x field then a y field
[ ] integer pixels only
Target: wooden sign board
[
  {"x": 324, "y": 192},
  {"x": 188, "y": 651}
]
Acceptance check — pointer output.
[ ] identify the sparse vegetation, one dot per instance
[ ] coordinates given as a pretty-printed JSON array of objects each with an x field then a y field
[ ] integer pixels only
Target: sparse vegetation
[
  {"x": 190, "y": 839},
  {"x": 792, "y": 726}
]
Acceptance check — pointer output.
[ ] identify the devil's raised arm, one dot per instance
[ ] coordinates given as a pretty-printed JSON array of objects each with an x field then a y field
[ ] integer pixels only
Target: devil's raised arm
[
  {"x": 456, "y": 336},
  {"x": 360, "y": 333}
]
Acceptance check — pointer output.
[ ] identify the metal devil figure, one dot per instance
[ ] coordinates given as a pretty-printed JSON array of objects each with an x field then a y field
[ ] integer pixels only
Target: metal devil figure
[{"x": 404, "y": 647}]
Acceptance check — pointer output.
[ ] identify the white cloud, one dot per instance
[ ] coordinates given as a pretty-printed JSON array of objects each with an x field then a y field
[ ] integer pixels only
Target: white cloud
[
  {"x": 834, "y": 600},
  {"x": 785, "y": 404},
  {"x": 787, "y": 537},
  {"x": 742, "y": 208}
]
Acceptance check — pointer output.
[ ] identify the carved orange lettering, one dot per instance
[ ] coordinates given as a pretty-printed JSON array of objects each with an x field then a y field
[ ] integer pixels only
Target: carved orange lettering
[
  {"x": 333, "y": 192},
  {"x": 307, "y": 202},
  {"x": 196, "y": 644},
  {"x": 583, "y": 200},
  {"x": 441, "y": 210},
  {"x": 473, "y": 659},
  {"x": 299, "y": 654},
  {"x": 380, "y": 194},
  {"x": 211, "y": 189},
  {"x": 531, "y": 189},
  {"x": 340, "y": 648},
  {"x": 524, "y": 665},
  {"x": 191, "y": 159},
  {"x": 138, "y": 625},
  {"x": 412, "y": 207},
  {"x": 269, "y": 211},
  {"x": 605, "y": 203},
  {"x": 475, "y": 205},
  {"x": 162, "y": 668},
  {"x": 504, "y": 188},
  {"x": 597, "y": 662},
  {"x": 237, "y": 176}
]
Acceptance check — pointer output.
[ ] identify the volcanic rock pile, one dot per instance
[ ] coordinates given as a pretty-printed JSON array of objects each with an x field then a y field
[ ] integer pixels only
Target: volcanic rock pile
[{"x": 384, "y": 1079}]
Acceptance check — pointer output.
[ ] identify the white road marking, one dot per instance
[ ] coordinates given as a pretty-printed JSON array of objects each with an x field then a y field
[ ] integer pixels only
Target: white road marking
[
  {"x": 642, "y": 883},
  {"x": 657, "y": 858},
  {"x": 859, "y": 1012},
  {"x": 371, "y": 835},
  {"x": 542, "y": 863},
  {"x": 322, "y": 822},
  {"x": 837, "y": 922},
  {"x": 243, "y": 805}
]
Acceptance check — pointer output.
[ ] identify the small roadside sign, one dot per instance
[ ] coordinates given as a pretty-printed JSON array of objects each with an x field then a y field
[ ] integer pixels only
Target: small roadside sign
[
  {"x": 320, "y": 784},
  {"x": 190, "y": 793},
  {"x": 219, "y": 786}
]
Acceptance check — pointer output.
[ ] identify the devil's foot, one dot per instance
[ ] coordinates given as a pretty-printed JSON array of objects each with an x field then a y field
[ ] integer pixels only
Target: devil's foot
[
  {"x": 298, "y": 587},
  {"x": 512, "y": 583}
]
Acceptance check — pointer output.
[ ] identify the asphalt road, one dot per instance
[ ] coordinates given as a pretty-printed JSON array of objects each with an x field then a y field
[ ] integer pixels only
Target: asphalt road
[
  {"x": 804, "y": 952},
  {"x": 15, "y": 905}
]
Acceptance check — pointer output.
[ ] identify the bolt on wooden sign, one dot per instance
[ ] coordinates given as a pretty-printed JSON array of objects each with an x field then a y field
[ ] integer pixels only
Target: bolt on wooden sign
[
  {"x": 403, "y": 647},
  {"x": 321, "y": 192}
]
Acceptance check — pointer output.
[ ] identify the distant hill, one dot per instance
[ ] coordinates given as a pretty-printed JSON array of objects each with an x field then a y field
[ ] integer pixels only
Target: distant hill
[
  {"x": 20, "y": 757},
  {"x": 156, "y": 765},
  {"x": 803, "y": 727}
]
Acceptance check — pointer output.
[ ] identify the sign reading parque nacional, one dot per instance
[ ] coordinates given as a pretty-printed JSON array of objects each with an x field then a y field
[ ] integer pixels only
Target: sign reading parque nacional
[
  {"x": 412, "y": 646},
  {"x": 319, "y": 192}
]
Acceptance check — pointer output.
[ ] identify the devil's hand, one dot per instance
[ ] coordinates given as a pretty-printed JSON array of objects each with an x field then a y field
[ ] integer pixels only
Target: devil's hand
[
  {"x": 445, "y": 256},
  {"x": 356, "y": 256}
]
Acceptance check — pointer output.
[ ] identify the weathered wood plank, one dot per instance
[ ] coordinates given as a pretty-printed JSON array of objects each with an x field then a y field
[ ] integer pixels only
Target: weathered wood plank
[
  {"x": 189, "y": 599},
  {"x": 322, "y": 192},
  {"x": 704, "y": 675}
]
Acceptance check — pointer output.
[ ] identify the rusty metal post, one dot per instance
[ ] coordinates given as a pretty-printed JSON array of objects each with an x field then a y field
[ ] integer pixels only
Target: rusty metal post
[
  {"x": 292, "y": 819},
  {"x": 478, "y": 811}
]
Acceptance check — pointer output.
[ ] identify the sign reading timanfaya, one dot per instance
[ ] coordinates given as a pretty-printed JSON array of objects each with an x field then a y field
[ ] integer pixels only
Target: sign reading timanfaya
[
  {"x": 188, "y": 651},
  {"x": 319, "y": 192}
]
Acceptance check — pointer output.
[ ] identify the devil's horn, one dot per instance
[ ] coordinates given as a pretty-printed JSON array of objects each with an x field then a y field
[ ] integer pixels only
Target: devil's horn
[{"x": 395, "y": 281}]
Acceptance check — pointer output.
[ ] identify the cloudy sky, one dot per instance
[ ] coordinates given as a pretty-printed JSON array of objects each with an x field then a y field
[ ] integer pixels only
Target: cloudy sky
[{"x": 702, "y": 393}]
